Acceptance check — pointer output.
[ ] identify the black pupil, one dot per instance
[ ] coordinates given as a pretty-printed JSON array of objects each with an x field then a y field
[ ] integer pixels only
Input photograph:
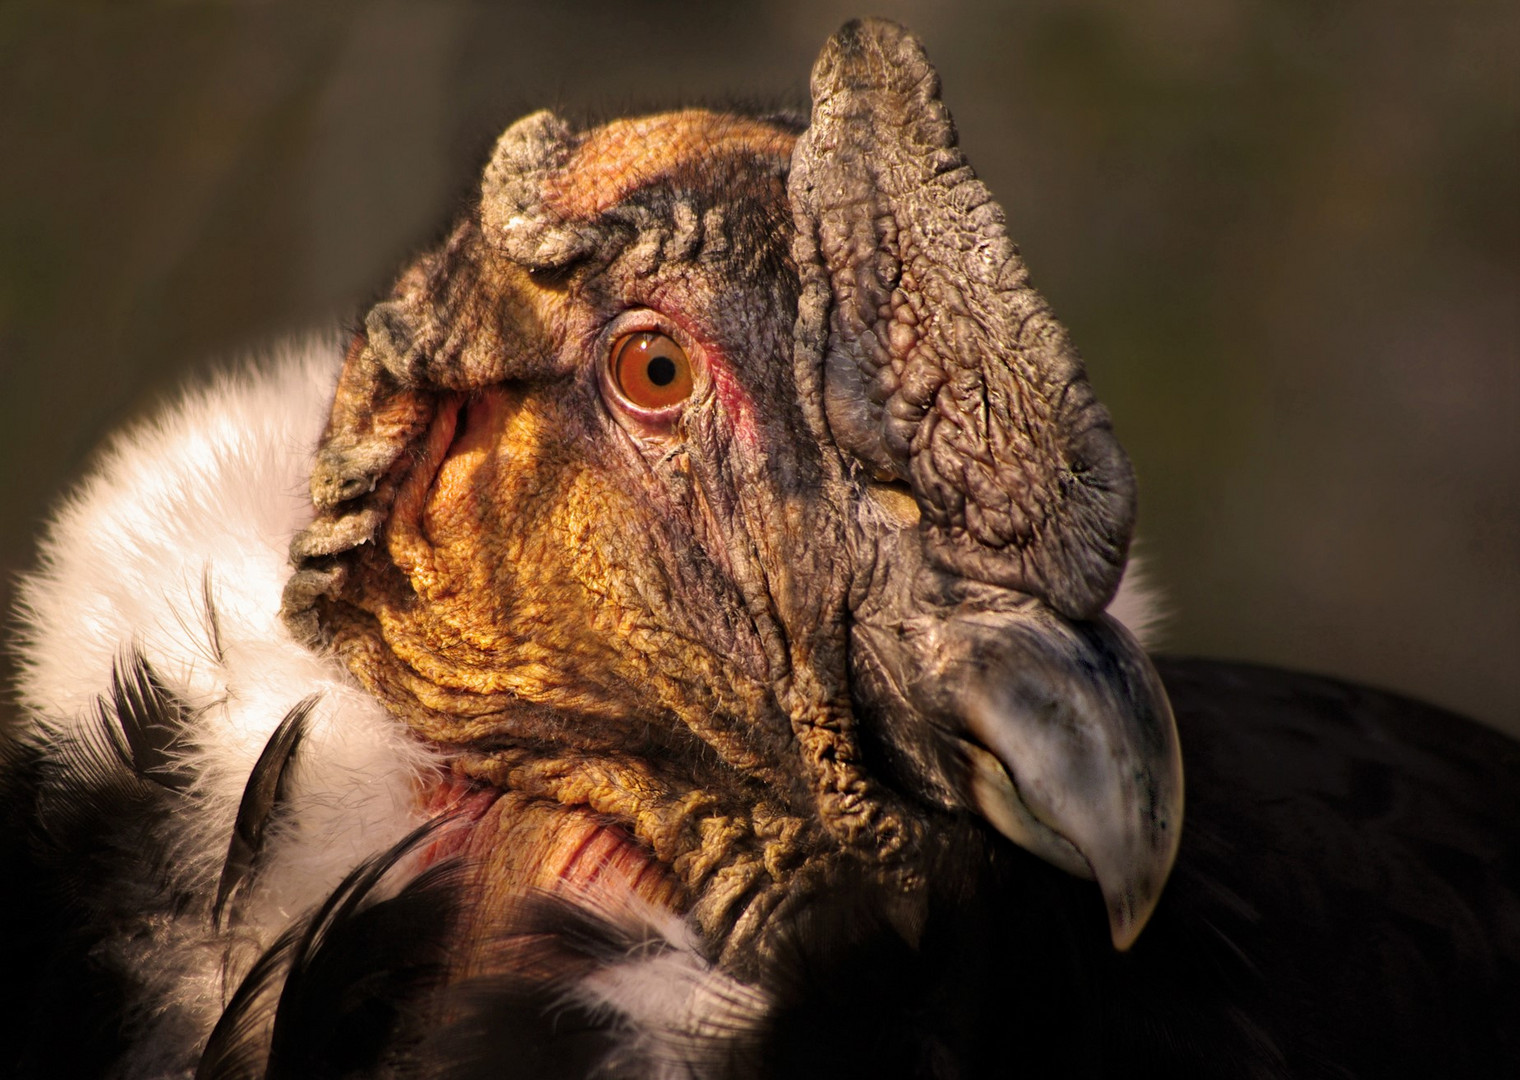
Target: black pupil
[{"x": 661, "y": 370}]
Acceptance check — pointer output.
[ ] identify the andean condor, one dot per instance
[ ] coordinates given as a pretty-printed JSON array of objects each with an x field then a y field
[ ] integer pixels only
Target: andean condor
[{"x": 697, "y": 656}]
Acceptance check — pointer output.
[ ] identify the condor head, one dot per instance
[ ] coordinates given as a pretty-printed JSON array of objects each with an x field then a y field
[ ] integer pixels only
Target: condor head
[{"x": 726, "y": 505}]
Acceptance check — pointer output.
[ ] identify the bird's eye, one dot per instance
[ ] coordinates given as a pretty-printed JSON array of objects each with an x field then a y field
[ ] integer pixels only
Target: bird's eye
[{"x": 651, "y": 370}]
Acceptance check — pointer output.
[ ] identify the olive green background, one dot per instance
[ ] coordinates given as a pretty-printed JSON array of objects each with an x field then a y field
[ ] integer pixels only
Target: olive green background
[{"x": 1283, "y": 233}]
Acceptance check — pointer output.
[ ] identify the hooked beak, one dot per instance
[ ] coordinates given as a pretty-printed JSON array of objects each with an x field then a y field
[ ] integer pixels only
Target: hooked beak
[
  {"x": 1084, "y": 768},
  {"x": 1057, "y": 731}
]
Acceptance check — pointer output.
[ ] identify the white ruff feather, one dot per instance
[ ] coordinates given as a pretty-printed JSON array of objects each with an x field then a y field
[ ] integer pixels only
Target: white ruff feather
[
  {"x": 1139, "y": 605},
  {"x": 205, "y": 500}
]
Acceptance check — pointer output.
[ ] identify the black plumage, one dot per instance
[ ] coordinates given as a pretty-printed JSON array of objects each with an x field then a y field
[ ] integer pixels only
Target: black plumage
[
  {"x": 268, "y": 784},
  {"x": 76, "y": 824},
  {"x": 142, "y": 720},
  {"x": 342, "y": 993}
]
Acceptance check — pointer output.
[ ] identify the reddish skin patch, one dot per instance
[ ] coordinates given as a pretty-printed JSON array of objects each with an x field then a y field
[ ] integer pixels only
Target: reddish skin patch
[
  {"x": 537, "y": 846},
  {"x": 599, "y": 856},
  {"x": 735, "y": 401},
  {"x": 522, "y": 849},
  {"x": 459, "y": 797},
  {"x": 581, "y": 849},
  {"x": 517, "y": 849}
]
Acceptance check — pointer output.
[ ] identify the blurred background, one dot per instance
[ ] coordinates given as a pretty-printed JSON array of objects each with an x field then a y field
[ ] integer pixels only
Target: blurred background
[{"x": 1285, "y": 235}]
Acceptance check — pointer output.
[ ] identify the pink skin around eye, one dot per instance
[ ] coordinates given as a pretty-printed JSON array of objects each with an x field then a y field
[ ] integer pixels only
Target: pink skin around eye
[{"x": 733, "y": 398}]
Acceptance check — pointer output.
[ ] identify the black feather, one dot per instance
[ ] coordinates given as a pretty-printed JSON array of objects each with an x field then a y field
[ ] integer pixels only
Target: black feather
[
  {"x": 1348, "y": 888},
  {"x": 549, "y": 945},
  {"x": 347, "y": 990},
  {"x": 212, "y": 619},
  {"x": 552, "y": 944},
  {"x": 59, "y": 1008},
  {"x": 360, "y": 1001},
  {"x": 238, "y": 1048},
  {"x": 83, "y": 861},
  {"x": 263, "y": 795},
  {"x": 148, "y": 721},
  {"x": 503, "y": 1020}
]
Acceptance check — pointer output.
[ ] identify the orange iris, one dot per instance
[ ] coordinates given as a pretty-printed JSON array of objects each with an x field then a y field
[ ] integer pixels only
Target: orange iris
[{"x": 651, "y": 370}]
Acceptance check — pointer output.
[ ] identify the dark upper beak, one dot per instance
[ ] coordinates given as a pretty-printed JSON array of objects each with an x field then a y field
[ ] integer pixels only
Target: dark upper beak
[{"x": 1056, "y": 730}]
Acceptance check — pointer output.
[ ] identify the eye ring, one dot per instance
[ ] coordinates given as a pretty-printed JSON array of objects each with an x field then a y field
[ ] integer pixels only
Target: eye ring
[{"x": 650, "y": 370}]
